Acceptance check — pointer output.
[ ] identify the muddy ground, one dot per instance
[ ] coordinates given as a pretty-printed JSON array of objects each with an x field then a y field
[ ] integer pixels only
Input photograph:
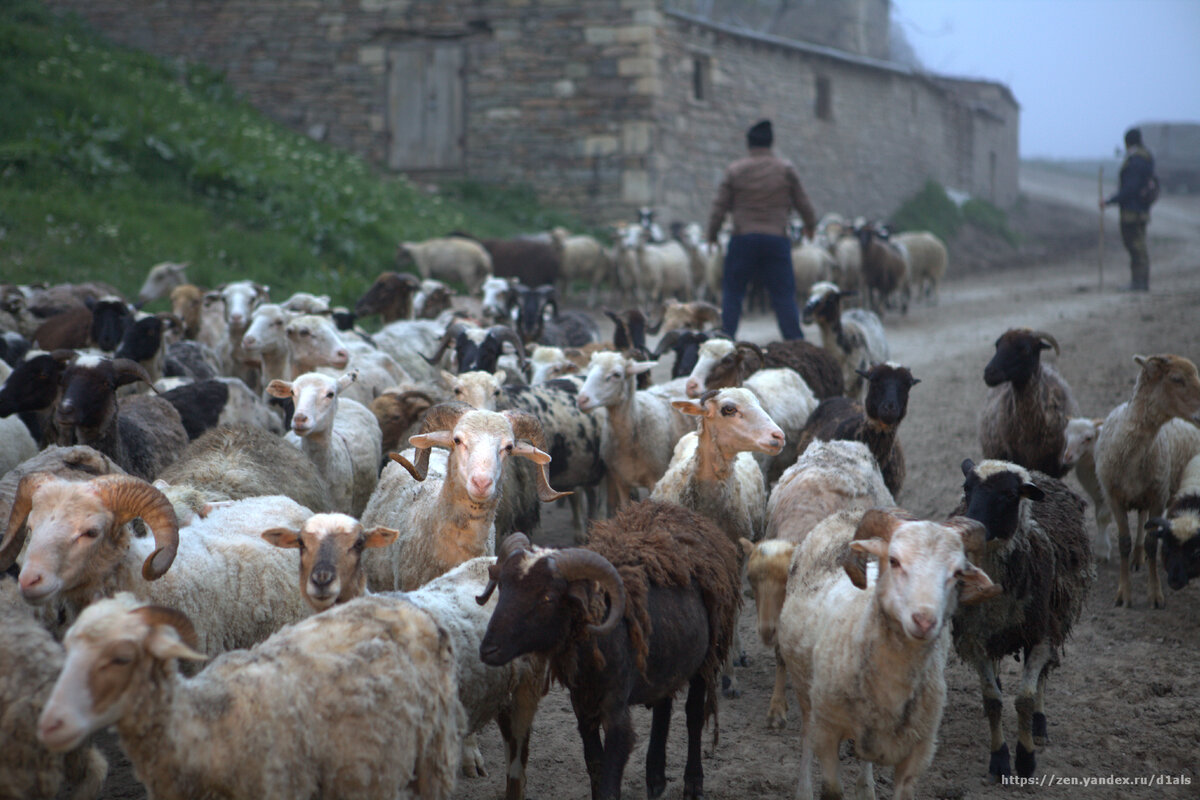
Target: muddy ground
[{"x": 1126, "y": 702}]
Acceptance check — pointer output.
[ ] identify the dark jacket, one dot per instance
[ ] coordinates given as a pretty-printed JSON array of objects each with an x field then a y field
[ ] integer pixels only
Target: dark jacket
[
  {"x": 1136, "y": 171},
  {"x": 760, "y": 191}
]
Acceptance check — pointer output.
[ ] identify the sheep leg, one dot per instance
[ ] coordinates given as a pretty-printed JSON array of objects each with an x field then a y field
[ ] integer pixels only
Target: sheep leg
[
  {"x": 656, "y": 752},
  {"x": 999, "y": 765},
  {"x": 1124, "y": 545},
  {"x": 593, "y": 753},
  {"x": 864, "y": 787},
  {"x": 1035, "y": 664},
  {"x": 1138, "y": 534},
  {"x": 911, "y": 768},
  {"x": 472, "y": 759},
  {"x": 1041, "y": 734},
  {"x": 777, "y": 712},
  {"x": 516, "y": 723},
  {"x": 825, "y": 745},
  {"x": 729, "y": 682},
  {"x": 1154, "y": 587},
  {"x": 804, "y": 782},
  {"x": 618, "y": 744},
  {"x": 578, "y": 516},
  {"x": 693, "y": 770}
]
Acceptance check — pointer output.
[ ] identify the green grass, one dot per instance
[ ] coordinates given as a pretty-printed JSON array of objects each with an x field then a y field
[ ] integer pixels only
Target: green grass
[
  {"x": 931, "y": 209},
  {"x": 112, "y": 160}
]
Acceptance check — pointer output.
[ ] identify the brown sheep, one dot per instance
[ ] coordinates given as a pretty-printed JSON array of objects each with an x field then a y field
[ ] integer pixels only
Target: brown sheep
[
  {"x": 390, "y": 296},
  {"x": 820, "y": 370},
  {"x": 883, "y": 269}
]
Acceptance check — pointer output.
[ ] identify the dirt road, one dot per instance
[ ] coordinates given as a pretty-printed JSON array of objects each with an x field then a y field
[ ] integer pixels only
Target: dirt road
[{"x": 1126, "y": 702}]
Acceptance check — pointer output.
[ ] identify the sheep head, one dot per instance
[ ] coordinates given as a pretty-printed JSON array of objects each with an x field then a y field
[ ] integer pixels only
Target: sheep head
[
  {"x": 331, "y": 547},
  {"x": 545, "y": 595},
  {"x": 734, "y": 421},
  {"x": 314, "y": 396},
  {"x": 131, "y": 641},
  {"x": 997, "y": 494},
  {"x": 888, "y": 385},
  {"x": 390, "y": 295},
  {"x": 75, "y": 531},
  {"x": 90, "y": 383},
  {"x": 1017, "y": 357},
  {"x": 1172, "y": 386}
]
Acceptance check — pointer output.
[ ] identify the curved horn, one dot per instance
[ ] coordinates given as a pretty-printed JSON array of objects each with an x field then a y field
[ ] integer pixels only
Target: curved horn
[
  {"x": 503, "y": 333},
  {"x": 667, "y": 341},
  {"x": 161, "y": 615},
  {"x": 451, "y": 333},
  {"x": 1047, "y": 337},
  {"x": 129, "y": 497},
  {"x": 513, "y": 543},
  {"x": 707, "y": 312},
  {"x": 974, "y": 535},
  {"x": 16, "y": 532},
  {"x": 753, "y": 348},
  {"x": 128, "y": 371},
  {"x": 526, "y": 426},
  {"x": 578, "y": 564},
  {"x": 442, "y": 417}
]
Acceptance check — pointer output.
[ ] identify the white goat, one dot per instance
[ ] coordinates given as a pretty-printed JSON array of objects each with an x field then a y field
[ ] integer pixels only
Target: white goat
[
  {"x": 364, "y": 695},
  {"x": 1080, "y": 452},
  {"x": 870, "y": 665},
  {"x": 341, "y": 436}
]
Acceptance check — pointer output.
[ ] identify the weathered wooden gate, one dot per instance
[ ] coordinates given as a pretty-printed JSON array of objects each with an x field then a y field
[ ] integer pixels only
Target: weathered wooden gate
[{"x": 425, "y": 106}]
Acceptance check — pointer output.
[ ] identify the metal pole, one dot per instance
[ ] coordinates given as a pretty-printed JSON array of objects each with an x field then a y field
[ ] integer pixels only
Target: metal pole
[{"x": 1101, "y": 194}]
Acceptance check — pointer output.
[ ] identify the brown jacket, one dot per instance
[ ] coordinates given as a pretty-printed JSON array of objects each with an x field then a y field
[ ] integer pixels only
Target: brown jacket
[{"x": 760, "y": 190}]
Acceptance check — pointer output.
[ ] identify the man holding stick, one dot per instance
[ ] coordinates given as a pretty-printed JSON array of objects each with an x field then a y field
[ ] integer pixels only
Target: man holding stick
[{"x": 1134, "y": 198}]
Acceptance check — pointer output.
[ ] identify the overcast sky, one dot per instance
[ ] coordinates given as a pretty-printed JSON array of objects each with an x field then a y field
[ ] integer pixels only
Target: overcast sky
[{"x": 1082, "y": 70}]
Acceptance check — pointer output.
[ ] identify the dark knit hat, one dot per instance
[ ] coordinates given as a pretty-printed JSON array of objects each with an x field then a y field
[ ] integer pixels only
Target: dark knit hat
[
  {"x": 1133, "y": 137},
  {"x": 760, "y": 134}
]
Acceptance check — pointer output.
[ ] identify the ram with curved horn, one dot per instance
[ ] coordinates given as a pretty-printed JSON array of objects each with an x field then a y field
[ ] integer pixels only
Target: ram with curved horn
[
  {"x": 1024, "y": 419},
  {"x": 445, "y": 505},
  {"x": 478, "y": 349},
  {"x": 78, "y": 547},
  {"x": 648, "y": 606}
]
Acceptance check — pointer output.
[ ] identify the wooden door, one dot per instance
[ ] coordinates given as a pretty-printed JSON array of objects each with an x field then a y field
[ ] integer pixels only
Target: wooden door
[{"x": 425, "y": 106}]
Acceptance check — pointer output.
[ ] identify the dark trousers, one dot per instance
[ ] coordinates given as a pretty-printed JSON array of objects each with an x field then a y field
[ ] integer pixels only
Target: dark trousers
[
  {"x": 1133, "y": 235},
  {"x": 768, "y": 259}
]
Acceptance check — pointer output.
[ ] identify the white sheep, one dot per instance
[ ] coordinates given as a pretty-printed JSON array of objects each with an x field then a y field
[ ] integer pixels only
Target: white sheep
[
  {"x": 450, "y": 259},
  {"x": 445, "y": 506},
  {"x": 581, "y": 258},
  {"x": 265, "y": 341},
  {"x": 341, "y": 436},
  {"x": 642, "y": 425},
  {"x": 653, "y": 270},
  {"x": 925, "y": 257},
  {"x": 30, "y": 660},
  {"x": 847, "y": 253},
  {"x": 1141, "y": 452},
  {"x": 316, "y": 345},
  {"x": 161, "y": 279},
  {"x": 408, "y": 342},
  {"x": 231, "y": 582},
  {"x": 811, "y": 264},
  {"x": 1080, "y": 452},
  {"x": 359, "y": 701},
  {"x": 331, "y": 548},
  {"x": 827, "y": 477},
  {"x": 869, "y": 665},
  {"x": 854, "y": 337}
]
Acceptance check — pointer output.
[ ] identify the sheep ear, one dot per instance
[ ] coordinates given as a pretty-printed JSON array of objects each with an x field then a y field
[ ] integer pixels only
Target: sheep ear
[
  {"x": 425, "y": 441},
  {"x": 690, "y": 407},
  {"x": 975, "y": 586},
  {"x": 379, "y": 537},
  {"x": 745, "y": 546},
  {"x": 638, "y": 367},
  {"x": 500, "y": 376},
  {"x": 1032, "y": 492},
  {"x": 1140, "y": 361},
  {"x": 526, "y": 450},
  {"x": 862, "y": 373},
  {"x": 278, "y": 388},
  {"x": 873, "y": 547},
  {"x": 967, "y": 466},
  {"x": 282, "y": 537},
  {"x": 448, "y": 379},
  {"x": 345, "y": 380},
  {"x": 164, "y": 643}
]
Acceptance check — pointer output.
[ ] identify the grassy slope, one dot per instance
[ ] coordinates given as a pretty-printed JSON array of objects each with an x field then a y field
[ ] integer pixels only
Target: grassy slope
[{"x": 111, "y": 161}]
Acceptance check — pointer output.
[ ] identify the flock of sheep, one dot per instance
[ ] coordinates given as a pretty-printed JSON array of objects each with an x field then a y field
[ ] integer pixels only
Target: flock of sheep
[{"x": 158, "y": 470}]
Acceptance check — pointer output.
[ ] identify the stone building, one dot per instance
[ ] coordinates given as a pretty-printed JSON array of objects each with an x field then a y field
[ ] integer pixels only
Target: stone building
[{"x": 601, "y": 105}]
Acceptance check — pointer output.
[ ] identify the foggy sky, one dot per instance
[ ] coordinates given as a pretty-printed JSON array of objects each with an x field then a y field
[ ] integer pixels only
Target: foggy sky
[{"x": 1082, "y": 70}]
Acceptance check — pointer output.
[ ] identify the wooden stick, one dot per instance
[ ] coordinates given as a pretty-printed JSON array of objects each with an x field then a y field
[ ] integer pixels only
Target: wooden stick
[{"x": 1101, "y": 261}]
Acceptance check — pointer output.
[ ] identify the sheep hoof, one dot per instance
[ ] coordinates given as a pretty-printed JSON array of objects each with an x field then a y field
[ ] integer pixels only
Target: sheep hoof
[
  {"x": 776, "y": 720},
  {"x": 1041, "y": 735},
  {"x": 1159, "y": 602},
  {"x": 655, "y": 785},
  {"x": 729, "y": 688},
  {"x": 692, "y": 791},
  {"x": 1026, "y": 761},
  {"x": 740, "y": 660},
  {"x": 1122, "y": 600},
  {"x": 1000, "y": 765}
]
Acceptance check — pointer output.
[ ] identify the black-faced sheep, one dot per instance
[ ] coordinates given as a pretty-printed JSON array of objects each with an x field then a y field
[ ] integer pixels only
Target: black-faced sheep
[
  {"x": 672, "y": 586},
  {"x": 363, "y": 694},
  {"x": 1143, "y": 448},
  {"x": 875, "y": 422},
  {"x": 390, "y": 296},
  {"x": 1178, "y": 534},
  {"x": 1024, "y": 419},
  {"x": 1037, "y": 549},
  {"x": 537, "y": 323}
]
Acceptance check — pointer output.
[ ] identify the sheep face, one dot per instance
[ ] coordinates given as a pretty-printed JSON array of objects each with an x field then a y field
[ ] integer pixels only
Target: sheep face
[
  {"x": 686, "y": 344},
  {"x": 32, "y": 385},
  {"x": 887, "y": 392},
  {"x": 609, "y": 380},
  {"x": 110, "y": 318},
  {"x": 391, "y": 294},
  {"x": 535, "y": 610},
  {"x": 241, "y": 298},
  {"x": 497, "y": 297},
  {"x": 315, "y": 398},
  {"x": 1176, "y": 385},
  {"x": 72, "y": 537},
  {"x": 921, "y": 566},
  {"x": 1179, "y": 542},
  {"x": 766, "y": 570},
  {"x": 549, "y": 363},
  {"x": 1017, "y": 358},
  {"x": 115, "y": 645},
  {"x": 994, "y": 491},
  {"x": 532, "y": 308},
  {"x": 89, "y": 384},
  {"x": 331, "y": 547},
  {"x": 715, "y": 355},
  {"x": 479, "y": 445},
  {"x": 433, "y": 298},
  {"x": 265, "y": 333},
  {"x": 736, "y": 421},
  {"x": 142, "y": 340},
  {"x": 314, "y": 342},
  {"x": 161, "y": 279},
  {"x": 824, "y": 304},
  {"x": 1081, "y": 436},
  {"x": 477, "y": 389}
]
